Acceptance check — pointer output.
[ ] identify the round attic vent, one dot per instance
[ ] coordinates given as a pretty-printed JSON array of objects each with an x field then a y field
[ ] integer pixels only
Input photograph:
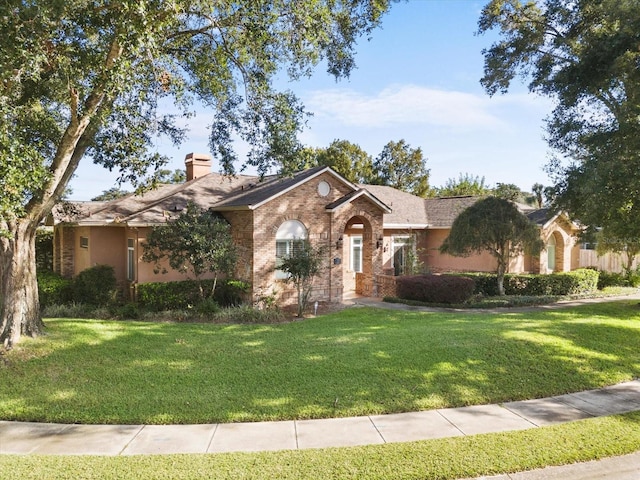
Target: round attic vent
[{"x": 323, "y": 188}]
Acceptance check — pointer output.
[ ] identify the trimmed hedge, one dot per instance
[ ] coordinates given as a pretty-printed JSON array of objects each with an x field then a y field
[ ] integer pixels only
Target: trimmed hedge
[
  {"x": 579, "y": 281},
  {"x": 160, "y": 296},
  {"x": 435, "y": 288}
]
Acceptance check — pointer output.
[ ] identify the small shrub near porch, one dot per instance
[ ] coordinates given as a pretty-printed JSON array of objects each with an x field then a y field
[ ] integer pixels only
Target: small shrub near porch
[{"x": 435, "y": 288}]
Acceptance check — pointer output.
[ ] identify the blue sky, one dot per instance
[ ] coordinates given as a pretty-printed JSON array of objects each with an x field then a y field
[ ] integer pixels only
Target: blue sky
[{"x": 417, "y": 79}]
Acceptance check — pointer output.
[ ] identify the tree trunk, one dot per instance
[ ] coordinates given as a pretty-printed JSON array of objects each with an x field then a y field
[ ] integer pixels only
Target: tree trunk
[
  {"x": 500, "y": 276},
  {"x": 20, "y": 310},
  {"x": 300, "y": 300}
]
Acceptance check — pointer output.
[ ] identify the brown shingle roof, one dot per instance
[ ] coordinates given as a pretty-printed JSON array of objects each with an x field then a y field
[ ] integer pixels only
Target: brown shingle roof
[
  {"x": 443, "y": 211},
  {"x": 220, "y": 192},
  {"x": 406, "y": 209},
  {"x": 259, "y": 192},
  {"x": 157, "y": 205}
]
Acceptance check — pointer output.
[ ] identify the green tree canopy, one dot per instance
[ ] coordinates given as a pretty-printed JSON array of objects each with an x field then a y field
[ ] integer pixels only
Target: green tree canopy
[
  {"x": 348, "y": 159},
  {"x": 84, "y": 77},
  {"x": 512, "y": 192},
  {"x": 167, "y": 176},
  {"x": 465, "y": 184},
  {"x": 195, "y": 243},
  {"x": 615, "y": 238},
  {"x": 111, "y": 194},
  {"x": 585, "y": 56},
  {"x": 496, "y": 226},
  {"x": 402, "y": 167}
]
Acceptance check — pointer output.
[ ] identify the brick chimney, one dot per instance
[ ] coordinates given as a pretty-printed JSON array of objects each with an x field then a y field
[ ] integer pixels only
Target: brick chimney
[{"x": 198, "y": 165}]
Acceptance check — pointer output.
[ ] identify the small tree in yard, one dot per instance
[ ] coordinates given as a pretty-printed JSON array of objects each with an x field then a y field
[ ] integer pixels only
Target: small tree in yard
[
  {"x": 196, "y": 243},
  {"x": 496, "y": 226},
  {"x": 301, "y": 267}
]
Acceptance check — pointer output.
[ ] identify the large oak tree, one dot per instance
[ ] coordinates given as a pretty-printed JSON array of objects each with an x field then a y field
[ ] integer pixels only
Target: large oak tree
[
  {"x": 88, "y": 78},
  {"x": 585, "y": 55}
]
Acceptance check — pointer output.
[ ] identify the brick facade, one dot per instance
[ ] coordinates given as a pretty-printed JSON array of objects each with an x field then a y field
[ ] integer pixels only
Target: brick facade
[{"x": 324, "y": 228}]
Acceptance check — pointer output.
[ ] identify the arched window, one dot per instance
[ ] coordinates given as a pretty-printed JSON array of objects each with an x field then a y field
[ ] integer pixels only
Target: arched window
[
  {"x": 551, "y": 253},
  {"x": 289, "y": 236}
]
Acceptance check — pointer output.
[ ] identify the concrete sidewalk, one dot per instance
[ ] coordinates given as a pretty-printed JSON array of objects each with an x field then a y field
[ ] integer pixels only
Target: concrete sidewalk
[{"x": 56, "y": 439}]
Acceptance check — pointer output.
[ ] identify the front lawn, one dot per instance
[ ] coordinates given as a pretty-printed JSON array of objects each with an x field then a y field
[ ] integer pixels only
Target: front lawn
[{"x": 354, "y": 362}]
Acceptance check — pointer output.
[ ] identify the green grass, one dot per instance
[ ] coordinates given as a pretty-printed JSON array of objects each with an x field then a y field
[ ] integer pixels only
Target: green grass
[
  {"x": 355, "y": 362},
  {"x": 449, "y": 458}
]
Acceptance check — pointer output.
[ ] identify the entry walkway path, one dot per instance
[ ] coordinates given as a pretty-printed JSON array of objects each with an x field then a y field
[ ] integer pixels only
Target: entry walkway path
[{"x": 57, "y": 439}]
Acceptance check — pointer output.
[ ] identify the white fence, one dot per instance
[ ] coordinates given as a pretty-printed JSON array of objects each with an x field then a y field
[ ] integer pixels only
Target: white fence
[{"x": 609, "y": 262}]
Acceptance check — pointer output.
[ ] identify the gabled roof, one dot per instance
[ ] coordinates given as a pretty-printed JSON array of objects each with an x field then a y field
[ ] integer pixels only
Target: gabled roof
[
  {"x": 349, "y": 197},
  {"x": 259, "y": 193},
  {"x": 543, "y": 217},
  {"x": 540, "y": 216}
]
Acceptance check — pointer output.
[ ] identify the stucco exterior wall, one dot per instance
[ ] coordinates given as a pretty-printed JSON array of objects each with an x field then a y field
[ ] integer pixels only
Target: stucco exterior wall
[
  {"x": 106, "y": 245},
  {"x": 438, "y": 262},
  {"x": 82, "y": 259}
]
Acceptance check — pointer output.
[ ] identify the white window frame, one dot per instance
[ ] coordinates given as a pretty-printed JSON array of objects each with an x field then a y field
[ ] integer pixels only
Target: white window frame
[
  {"x": 290, "y": 234},
  {"x": 397, "y": 242},
  {"x": 84, "y": 242},
  {"x": 131, "y": 259},
  {"x": 356, "y": 244},
  {"x": 552, "y": 244}
]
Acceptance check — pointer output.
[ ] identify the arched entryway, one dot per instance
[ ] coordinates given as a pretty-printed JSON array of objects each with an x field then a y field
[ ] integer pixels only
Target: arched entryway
[
  {"x": 555, "y": 253},
  {"x": 357, "y": 254}
]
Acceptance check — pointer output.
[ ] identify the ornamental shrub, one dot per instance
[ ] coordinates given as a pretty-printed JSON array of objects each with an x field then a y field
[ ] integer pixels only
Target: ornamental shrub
[
  {"x": 486, "y": 284},
  {"x": 53, "y": 289},
  {"x": 435, "y": 288},
  {"x": 95, "y": 286},
  {"x": 160, "y": 296},
  {"x": 616, "y": 279}
]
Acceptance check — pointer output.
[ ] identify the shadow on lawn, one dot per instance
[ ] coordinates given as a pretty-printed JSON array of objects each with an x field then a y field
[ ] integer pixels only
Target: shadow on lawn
[{"x": 355, "y": 362}]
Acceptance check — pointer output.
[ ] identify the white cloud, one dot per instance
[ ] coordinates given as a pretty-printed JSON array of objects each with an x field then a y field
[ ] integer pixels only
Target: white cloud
[{"x": 415, "y": 105}]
